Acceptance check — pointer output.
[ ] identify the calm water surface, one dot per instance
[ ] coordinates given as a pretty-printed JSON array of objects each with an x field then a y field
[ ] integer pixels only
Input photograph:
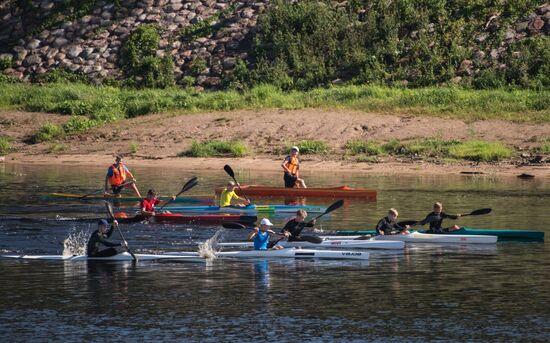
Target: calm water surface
[{"x": 426, "y": 293}]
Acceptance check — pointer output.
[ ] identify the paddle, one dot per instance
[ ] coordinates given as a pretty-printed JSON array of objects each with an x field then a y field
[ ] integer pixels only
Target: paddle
[
  {"x": 112, "y": 215},
  {"x": 478, "y": 212},
  {"x": 188, "y": 185},
  {"x": 99, "y": 191},
  {"x": 311, "y": 239},
  {"x": 230, "y": 172}
]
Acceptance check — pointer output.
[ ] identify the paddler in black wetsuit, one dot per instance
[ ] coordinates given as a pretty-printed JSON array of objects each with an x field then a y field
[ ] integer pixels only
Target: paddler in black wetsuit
[
  {"x": 435, "y": 219},
  {"x": 99, "y": 238},
  {"x": 388, "y": 225},
  {"x": 295, "y": 226}
]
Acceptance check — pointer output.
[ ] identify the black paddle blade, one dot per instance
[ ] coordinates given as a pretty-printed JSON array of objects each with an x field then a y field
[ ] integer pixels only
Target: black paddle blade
[
  {"x": 312, "y": 239},
  {"x": 228, "y": 170},
  {"x": 233, "y": 226},
  {"x": 480, "y": 211},
  {"x": 110, "y": 210},
  {"x": 334, "y": 206},
  {"x": 407, "y": 222},
  {"x": 189, "y": 184},
  {"x": 248, "y": 219}
]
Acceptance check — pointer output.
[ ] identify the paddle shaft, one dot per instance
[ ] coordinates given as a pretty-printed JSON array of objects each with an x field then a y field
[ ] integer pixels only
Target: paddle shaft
[
  {"x": 112, "y": 215},
  {"x": 101, "y": 190},
  {"x": 188, "y": 185}
]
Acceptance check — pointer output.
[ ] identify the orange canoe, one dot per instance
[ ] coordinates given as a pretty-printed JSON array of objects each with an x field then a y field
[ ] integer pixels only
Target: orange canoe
[{"x": 333, "y": 192}]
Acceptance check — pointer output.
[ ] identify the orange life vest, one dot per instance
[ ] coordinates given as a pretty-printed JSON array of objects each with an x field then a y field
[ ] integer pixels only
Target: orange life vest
[
  {"x": 292, "y": 164},
  {"x": 119, "y": 175}
]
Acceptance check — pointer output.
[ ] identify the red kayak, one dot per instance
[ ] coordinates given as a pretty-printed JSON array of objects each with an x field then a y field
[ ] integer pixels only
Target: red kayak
[{"x": 176, "y": 218}]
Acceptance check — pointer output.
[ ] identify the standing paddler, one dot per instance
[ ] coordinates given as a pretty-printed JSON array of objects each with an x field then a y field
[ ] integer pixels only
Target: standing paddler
[
  {"x": 117, "y": 175},
  {"x": 291, "y": 167},
  {"x": 99, "y": 246},
  {"x": 435, "y": 219}
]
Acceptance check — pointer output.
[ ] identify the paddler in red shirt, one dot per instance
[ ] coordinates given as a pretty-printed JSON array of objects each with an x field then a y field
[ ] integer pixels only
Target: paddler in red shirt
[{"x": 150, "y": 202}]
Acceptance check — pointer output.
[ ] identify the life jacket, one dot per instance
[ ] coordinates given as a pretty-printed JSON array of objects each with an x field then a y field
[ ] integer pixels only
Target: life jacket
[
  {"x": 293, "y": 164},
  {"x": 119, "y": 175}
]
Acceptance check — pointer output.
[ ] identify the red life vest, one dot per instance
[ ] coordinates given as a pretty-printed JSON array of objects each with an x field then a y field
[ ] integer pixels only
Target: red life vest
[{"x": 119, "y": 175}]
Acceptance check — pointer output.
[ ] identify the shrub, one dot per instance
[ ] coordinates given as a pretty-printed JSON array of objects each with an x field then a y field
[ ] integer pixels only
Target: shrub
[
  {"x": 47, "y": 132},
  {"x": 63, "y": 76},
  {"x": 544, "y": 148},
  {"x": 78, "y": 124},
  {"x": 357, "y": 147},
  {"x": 56, "y": 147},
  {"x": 134, "y": 147},
  {"x": 140, "y": 61},
  {"x": 309, "y": 147},
  {"x": 480, "y": 151},
  {"x": 5, "y": 145},
  {"x": 5, "y": 63},
  {"x": 216, "y": 148}
]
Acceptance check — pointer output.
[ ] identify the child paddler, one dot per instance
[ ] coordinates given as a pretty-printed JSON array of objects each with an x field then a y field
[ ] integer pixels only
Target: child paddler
[
  {"x": 435, "y": 219},
  {"x": 229, "y": 194},
  {"x": 117, "y": 174},
  {"x": 295, "y": 226},
  {"x": 260, "y": 236},
  {"x": 148, "y": 205},
  {"x": 98, "y": 240},
  {"x": 389, "y": 226}
]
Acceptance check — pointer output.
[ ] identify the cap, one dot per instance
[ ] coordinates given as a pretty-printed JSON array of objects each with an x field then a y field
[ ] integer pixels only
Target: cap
[
  {"x": 231, "y": 183},
  {"x": 266, "y": 221},
  {"x": 103, "y": 222},
  {"x": 295, "y": 148}
]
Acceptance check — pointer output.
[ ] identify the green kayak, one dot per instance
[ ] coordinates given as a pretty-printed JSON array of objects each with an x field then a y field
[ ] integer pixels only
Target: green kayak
[{"x": 503, "y": 235}]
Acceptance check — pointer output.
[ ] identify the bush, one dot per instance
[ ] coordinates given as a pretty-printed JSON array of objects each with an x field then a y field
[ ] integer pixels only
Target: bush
[
  {"x": 79, "y": 124},
  {"x": 358, "y": 147},
  {"x": 56, "y": 147},
  {"x": 216, "y": 148},
  {"x": 544, "y": 148},
  {"x": 5, "y": 63},
  {"x": 141, "y": 63},
  {"x": 309, "y": 147},
  {"x": 64, "y": 76},
  {"x": 480, "y": 151},
  {"x": 5, "y": 145},
  {"x": 134, "y": 147},
  {"x": 47, "y": 132}
]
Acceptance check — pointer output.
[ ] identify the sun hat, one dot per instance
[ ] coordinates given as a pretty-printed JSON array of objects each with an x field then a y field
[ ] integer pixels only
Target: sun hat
[
  {"x": 266, "y": 221},
  {"x": 295, "y": 148},
  {"x": 103, "y": 222}
]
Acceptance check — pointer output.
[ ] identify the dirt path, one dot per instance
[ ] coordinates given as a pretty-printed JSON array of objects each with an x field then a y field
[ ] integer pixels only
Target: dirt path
[{"x": 161, "y": 137}]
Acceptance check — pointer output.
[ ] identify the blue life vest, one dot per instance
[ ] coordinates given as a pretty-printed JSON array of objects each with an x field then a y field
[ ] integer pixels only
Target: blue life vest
[{"x": 261, "y": 240}]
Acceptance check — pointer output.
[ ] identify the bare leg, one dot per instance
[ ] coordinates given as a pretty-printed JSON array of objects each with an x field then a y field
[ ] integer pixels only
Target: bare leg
[
  {"x": 301, "y": 183},
  {"x": 135, "y": 189}
]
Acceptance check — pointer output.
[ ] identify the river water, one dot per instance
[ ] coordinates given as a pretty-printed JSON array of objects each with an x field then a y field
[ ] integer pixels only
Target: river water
[{"x": 426, "y": 293}]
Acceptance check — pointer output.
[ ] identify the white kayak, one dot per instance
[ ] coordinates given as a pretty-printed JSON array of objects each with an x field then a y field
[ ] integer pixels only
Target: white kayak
[
  {"x": 288, "y": 253},
  {"x": 347, "y": 244},
  {"x": 120, "y": 257},
  {"x": 417, "y": 237}
]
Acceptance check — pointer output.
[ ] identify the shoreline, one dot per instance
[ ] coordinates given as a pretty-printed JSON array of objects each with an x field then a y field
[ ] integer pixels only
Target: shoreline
[{"x": 308, "y": 164}]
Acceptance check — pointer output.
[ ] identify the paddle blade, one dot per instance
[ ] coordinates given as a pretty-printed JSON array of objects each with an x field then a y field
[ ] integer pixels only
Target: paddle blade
[
  {"x": 312, "y": 239},
  {"x": 189, "y": 184},
  {"x": 248, "y": 219},
  {"x": 233, "y": 226},
  {"x": 480, "y": 212},
  {"x": 109, "y": 209},
  {"x": 229, "y": 171},
  {"x": 334, "y": 206}
]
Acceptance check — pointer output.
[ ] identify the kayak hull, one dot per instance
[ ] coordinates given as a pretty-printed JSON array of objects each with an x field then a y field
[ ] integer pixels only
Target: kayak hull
[
  {"x": 417, "y": 237},
  {"x": 503, "y": 235},
  {"x": 190, "y": 200},
  {"x": 331, "y": 244},
  {"x": 331, "y": 192},
  {"x": 120, "y": 257},
  {"x": 177, "y": 218},
  {"x": 251, "y": 209},
  {"x": 289, "y": 253}
]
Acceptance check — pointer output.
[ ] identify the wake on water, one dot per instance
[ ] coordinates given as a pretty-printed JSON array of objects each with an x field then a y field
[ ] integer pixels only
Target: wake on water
[
  {"x": 208, "y": 248},
  {"x": 75, "y": 243}
]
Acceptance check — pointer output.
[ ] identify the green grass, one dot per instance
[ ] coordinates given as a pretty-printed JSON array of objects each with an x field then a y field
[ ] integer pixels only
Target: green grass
[
  {"x": 309, "y": 147},
  {"x": 480, "y": 151},
  {"x": 5, "y": 146},
  {"x": 472, "y": 150},
  {"x": 215, "y": 148},
  {"x": 56, "y": 147},
  {"x": 48, "y": 132},
  {"x": 134, "y": 147},
  {"x": 544, "y": 148}
]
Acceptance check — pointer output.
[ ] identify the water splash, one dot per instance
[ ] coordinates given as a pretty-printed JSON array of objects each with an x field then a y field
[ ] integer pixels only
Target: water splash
[
  {"x": 75, "y": 243},
  {"x": 207, "y": 249}
]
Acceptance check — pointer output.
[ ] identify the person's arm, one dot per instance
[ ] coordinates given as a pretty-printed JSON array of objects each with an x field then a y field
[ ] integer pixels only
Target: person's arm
[
  {"x": 285, "y": 162},
  {"x": 310, "y": 224},
  {"x": 132, "y": 178},
  {"x": 107, "y": 183},
  {"x": 253, "y": 234},
  {"x": 450, "y": 216},
  {"x": 271, "y": 232},
  {"x": 380, "y": 226},
  {"x": 429, "y": 218},
  {"x": 164, "y": 202}
]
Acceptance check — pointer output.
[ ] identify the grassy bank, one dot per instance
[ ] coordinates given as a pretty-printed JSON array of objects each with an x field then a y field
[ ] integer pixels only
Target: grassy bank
[{"x": 90, "y": 106}]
